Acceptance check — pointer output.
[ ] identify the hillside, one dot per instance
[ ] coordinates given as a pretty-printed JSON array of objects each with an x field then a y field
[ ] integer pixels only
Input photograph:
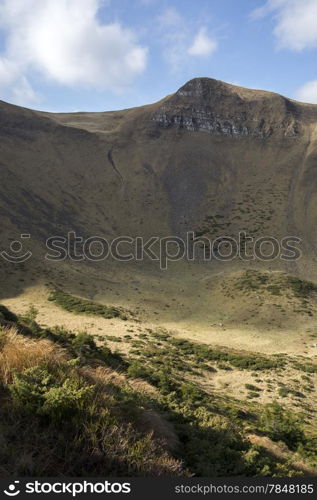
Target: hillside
[
  {"x": 211, "y": 158},
  {"x": 153, "y": 410},
  {"x": 206, "y": 350}
]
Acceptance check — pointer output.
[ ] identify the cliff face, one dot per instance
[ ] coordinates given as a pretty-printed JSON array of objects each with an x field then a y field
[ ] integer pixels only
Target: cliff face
[{"x": 207, "y": 105}]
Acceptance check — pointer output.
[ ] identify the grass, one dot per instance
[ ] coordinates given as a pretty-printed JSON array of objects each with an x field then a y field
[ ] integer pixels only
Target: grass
[
  {"x": 81, "y": 345},
  {"x": 238, "y": 360},
  {"x": 82, "y": 306},
  {"x": 305, "y": 367},
  {"x": 254, "y": 280},
  {"x": 59, "y": 416},
  {"x": 253, "y": 388},
  {"x": 274, "y": 289},
  {"x": 169, "y": 364},
  {"x": 74, "y": 415},
  {"x": 301, "y": 288},
  {"x": 282, "y": 425},
  {"x": 18, "y": 353}
]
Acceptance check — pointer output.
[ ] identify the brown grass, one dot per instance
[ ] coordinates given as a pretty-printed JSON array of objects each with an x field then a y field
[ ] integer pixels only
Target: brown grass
[
  {"x": 150, "y": 421},
  {"x": 133, "y": 444},
  {"x": 18, "y": 353}
]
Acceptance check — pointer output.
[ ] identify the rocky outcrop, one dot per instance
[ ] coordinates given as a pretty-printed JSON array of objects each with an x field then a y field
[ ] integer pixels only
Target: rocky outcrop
[{"x": 206, "y": 105}]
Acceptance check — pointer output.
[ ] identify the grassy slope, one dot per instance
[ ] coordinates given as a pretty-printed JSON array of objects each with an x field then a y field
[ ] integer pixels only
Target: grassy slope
[
  {"x": 181, "y": 180},
  {"x": 56, "y": 382},
  {"x": 61, "y": 414},
  {"x": 213, "y": 185}
]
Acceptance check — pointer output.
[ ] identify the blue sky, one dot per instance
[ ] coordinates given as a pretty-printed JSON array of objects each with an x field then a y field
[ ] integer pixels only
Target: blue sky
[{"x": 94, "y": 55}]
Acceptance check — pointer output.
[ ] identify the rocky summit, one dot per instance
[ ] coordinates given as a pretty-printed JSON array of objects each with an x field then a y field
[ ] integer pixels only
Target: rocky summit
[{"x": 208, "y": 105}]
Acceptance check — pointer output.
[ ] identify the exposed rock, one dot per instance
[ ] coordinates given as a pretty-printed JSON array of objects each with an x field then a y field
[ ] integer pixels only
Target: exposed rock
[{"x": 207, "y": 105}]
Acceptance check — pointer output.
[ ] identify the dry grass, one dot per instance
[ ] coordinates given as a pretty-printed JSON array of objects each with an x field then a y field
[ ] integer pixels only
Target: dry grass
[
  {"x": 18, "y": 353},
  {"x": 112, "y": 434},
  {"x": 103, "y": 375},
  {"x": 149, "y": 421}
]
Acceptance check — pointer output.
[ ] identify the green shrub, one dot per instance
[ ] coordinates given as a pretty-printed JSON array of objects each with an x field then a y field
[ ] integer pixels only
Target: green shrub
[
  {"x": 138, "y": 370},
  {"x": 40, "y": 392},
  {"x": 306, "y": 367},
  {"x": 164, "y": 382},
  {"x": 203, "y": 352},
  {"x": 253, "y": 395},
  {"x": 274, "y": 289},
  {"x": 28, "y": 388},
  {"x": 83, "y": 306},
  {"x": 281, "y": 425},
  {"x": 30, "y": 315},
  {"x": 251, "y": 387},
  {"x": 283, "y": 392},
  {"x": 84, "y": 344},
  {"x": 301, "y": 288},
  {"x": 113, "y": 338},
  {"x": 223, "y": 366},
  {"x": 66, "y": 400},
  {"x": 28, "y": 319},
  {"x": 191, "y": 393}
]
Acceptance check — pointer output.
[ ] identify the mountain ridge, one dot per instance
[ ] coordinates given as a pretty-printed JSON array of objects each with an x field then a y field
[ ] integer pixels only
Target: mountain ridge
[
  {"x": 130, "y": 173},
  {"x": 206, "y": 104}
]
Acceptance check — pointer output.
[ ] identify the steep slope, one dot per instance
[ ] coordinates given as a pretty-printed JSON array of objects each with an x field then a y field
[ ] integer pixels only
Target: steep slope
[{"x": 212, "y": 158}]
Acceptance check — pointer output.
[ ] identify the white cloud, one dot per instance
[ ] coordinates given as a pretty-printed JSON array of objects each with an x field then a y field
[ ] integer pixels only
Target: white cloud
[
  {"x": 8, "y": 71},
  {"x": 295, "y": 22},
  {"x": 176, "y": 33},
  {"x": 170, "y": 17},
  {"x": 15, "y": 86},
  {"x": 63, "y": 41},
  {"x": 173, "y": 33},
  {"x": 308, "y": 92},
  {"x": 202, "y": 45},
  {"x": 23, "y": 93}
]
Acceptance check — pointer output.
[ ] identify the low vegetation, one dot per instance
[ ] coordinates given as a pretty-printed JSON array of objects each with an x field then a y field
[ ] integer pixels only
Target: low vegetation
[
  {"x": 73, "y": 407},
  {"x": 282, "y": 425},
  {"x": 244, "y": 361},
  {"x": 82, "y": 306},
  {"x": 301, "y": 288},
  {"x": 254, "y": 280},
  {"x": 59, "y": 415}
]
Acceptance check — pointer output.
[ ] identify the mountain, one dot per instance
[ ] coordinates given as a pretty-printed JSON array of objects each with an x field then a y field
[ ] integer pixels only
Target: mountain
[
  {"x": 205, "y": 366},
  {"x": 213, "y": 159},
  {"x": 200, "y": 151}
]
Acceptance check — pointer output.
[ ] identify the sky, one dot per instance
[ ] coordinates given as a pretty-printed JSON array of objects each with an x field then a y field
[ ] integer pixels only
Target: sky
[{"x": 98, "y": 55}]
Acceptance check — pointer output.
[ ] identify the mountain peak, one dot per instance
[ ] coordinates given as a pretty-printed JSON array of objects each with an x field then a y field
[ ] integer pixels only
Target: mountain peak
[
  {"x": 206, "y": 88},
  {"x": 198, "y": 87},
  {"x": 209, "y": 105}
]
